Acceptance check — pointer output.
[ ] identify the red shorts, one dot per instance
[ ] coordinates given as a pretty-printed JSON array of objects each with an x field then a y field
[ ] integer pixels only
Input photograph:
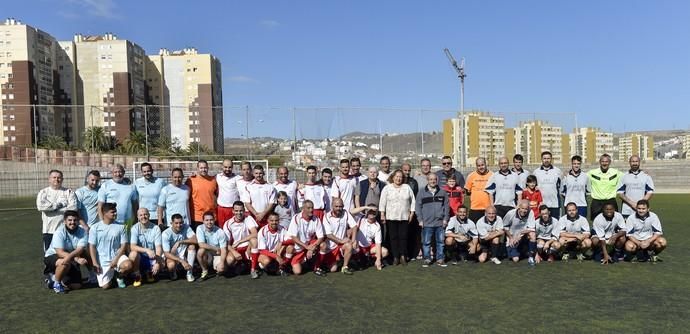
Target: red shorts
[
  {"x": 243, "y": 252},
  {"x": 262, "y": 222},
  {"x": 366, "y": 251},
  {"x": 270, "y": 254},
  {"x": 332, "y": 256},
  {"x": 319, "y": 213},
  {"x": 299, "y": 256},
  {"x": 224, "y": 214}
]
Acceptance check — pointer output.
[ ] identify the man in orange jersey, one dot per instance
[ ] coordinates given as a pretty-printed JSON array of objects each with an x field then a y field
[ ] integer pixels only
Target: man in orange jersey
[
  {"x": 203, "y": 190},
  {"x": 475, "y": 187}
]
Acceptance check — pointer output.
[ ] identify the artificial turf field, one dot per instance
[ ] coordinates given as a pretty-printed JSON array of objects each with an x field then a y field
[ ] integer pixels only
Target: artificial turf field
[{"x": 559, "y": 297}]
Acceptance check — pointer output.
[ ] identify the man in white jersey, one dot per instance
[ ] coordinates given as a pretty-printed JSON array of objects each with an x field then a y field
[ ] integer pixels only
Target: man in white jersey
[
  {"x": 344, "y": 185},
  {"x": 213, "y": 246},
  {"x": 369, "y": 237},
  {"x": 273, "y": 250},
  {"x": 461, "y": 235},
  {"x": 283, "y": 183},
  {"x": 609, "y": 234},
  {"x": 87, "y": 200},
  {"x": 338, "y": 225},
  {"x": 645, "y": 236},
  {"x": 574, "y": 233},
  {"x": 327, "y": 182},
  {"x": 246, "y": 177},
  {"x": 148, "y": 190},
  {"x": 490, "y": 230},
  {"x": 107, "y": 246},
  {"x": 635, "y": 185},
  {"x": 145, "y": 248},
  {"x": 260, "y": 197},
  {"x": 504, "y": 187},
  {"x": 306, "y": 231},
  {"x": 241, "y": 232},
  {"x": 174, "y": 199},
  {"x": 67, "y": 252},
  {"x": 313, "y": 191},
  {"x": 521, "y": 237},
  {"x": 576, "y": 186},
  {"x": 549, "y": 181},
  {"x": 228, "y": 192},
  {"x": 179, "y": 247},
  {"x": 522, "y": 174},
  {"x": 53, "y": 201},
  {"x": 547, "y": 235}
]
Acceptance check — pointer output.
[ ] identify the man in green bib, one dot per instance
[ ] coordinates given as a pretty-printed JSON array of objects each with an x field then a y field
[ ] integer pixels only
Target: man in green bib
[{"x": 604, "y": 185}]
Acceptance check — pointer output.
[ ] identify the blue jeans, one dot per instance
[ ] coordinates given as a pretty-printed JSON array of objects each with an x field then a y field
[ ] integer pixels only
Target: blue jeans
[{"x": 439, "y": 233}]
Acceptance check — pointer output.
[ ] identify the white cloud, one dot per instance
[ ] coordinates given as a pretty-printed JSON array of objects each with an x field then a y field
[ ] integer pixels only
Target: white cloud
[
  {"x": 242, "y": 79},
  {"x": 98, "y": 8},
  {"x": 269, "y": 23}
]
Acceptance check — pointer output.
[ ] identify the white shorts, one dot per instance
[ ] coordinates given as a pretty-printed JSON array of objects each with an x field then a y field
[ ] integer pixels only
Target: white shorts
[
  {"x": 107, "y": 274},
  {"x": 181, "y": 252},
  {"x": 213, "y": 261}
]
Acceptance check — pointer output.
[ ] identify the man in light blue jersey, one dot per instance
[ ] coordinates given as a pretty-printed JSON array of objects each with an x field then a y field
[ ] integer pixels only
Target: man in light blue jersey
[
  {"x": 145, "y": 247},
  {"x": 575, "y": 186},
  {"x": 149, "y": 189},
  {"x": 549, "y": 181},
  {"x": 635, "y": 185},
  {"x": 179, "y": 247},
  {"x": 107, "y": 245},
  {"x": 645, "y": 236},
  {"x": 87, "y": 200},
  {"x": 504, "y": 187},
  {"x": 174, "y": 199},
  {"x": 574, "y": 233},
  {"x": 521, "y": 238},
  {"x": 120, "y": 191},
  {"x": 67, "y": 251},
  {"x": 213, "y": 246}
]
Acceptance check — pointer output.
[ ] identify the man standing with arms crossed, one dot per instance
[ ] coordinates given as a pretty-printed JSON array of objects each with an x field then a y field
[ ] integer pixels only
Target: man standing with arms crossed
[
  {"x": 603, "y": 183},
  {"x": 549, "y": 180}
]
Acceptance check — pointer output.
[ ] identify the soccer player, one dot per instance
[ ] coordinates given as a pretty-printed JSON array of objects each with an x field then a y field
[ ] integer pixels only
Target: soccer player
[
  {"x": 603, "y": 183},
  {"x": 241, "y": 233},
  {"x": 635, "y": 185},
  {"x": 145, "y": 248},
  {"x": 476, "y": 189},
  {"x": 307, "y": 233},
  {"x": 574, "y": 233},
  {"x": 313, "y": 191},
  {"x": 504, "y": 187},
  {"x": 179, "y": 247},
  {"x": 213, "y": 246},
  {"x": 609, "y": 233},
  {"x": 369, "y": 237},
  {"x": 547, "y": 235},
  {"x": 67, "y": 251},
  {"x": 260, "y": 197},
  {"x": 107, "y": 246},
  {"x": 462, "y": 235},
  {"x": 520, "y": 228},
  {"x": 283, "y": 183},
  {"x": 336, "y": 224},
  {"x": 202, "y": 193},
  {"x": 533, "y": 195},
  {"x": 344, "y": 185},
  {"x": 149, "y": 189},
  {"x": 87, "y": 200},
  {"x": 174, "y": 199},
  {"x": 490, "y": 231},
  {"x": 384, "y": 169},
  {"x": 576, "y": 186},
  {"x": 274, "y": 253},
  {"x": 53, "y": 201},
  {"x": 355, "y": 166},
  {"x": 645, "y": 236},
  {"x": 120, "y": 191},
  {"x": 549, "y": 180},
  {"x": 327, "y": 182},
  {"x": 431, "y": 208},
  {"x": 518, "y": 159},
  {"x": 246, "y": 178},
  {"x": 448, "y": 170},
  {"x": 228, "y": 192}
]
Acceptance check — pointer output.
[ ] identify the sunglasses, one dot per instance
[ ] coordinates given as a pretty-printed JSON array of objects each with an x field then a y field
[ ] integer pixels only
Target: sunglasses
[{"x": 446, "y": 163}]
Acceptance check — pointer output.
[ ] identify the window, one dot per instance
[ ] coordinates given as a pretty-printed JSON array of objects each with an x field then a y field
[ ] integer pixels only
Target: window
[
  {"x": 12, "y": 128},
  {"x": 5, "y": 128},
  {"x": 112, "y": 133},
  {"x": 11, "y": 117},
  {"x": 7, "y": 138},
  {"x": 10, "y": 96},
  {"x": 10, "y": 75},
  {"x": 13, "y": 138}
]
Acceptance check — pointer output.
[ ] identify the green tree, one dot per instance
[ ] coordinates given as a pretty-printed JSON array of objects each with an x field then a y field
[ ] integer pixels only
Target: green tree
[
  {"x": 53, "y": 143},
  {"x": 135, "y": 143},
  {"x": 96, "y": 140}
]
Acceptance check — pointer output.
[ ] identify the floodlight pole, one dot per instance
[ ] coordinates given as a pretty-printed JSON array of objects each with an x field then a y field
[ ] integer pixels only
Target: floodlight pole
[{"x": 460, "y": 70}]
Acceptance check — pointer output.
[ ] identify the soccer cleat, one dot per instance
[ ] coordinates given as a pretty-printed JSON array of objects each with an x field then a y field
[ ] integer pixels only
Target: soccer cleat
[
  {"x": 59, "y": 288},
  {"x": 346, "y": 271},
  {"x": 173, "y": 275},
  {"x": 531, "y": 261},
  {"x": 441, "y": 263},
  {"x": 580, "y": 257},
  {"x": 47, "y": 283},
  {"x": 254, "y": 274},
  {"x": 137, "y": 281},
  {"x": 426, "y": 263},
  {"x": 319, "y": 272},
  {"x": 190, "y": 276},
  {"x": 495, "y": 260},
  {"x": 565, "y": 257},
  {"x": 283, "y": 273},
  {"x": 204, "y": 274},
  {"x": 454, "y": 262},
  {"x": 121, "y": 283},
  {"x": 150, "y": 278},
  {"x": 551, "y": 258}
]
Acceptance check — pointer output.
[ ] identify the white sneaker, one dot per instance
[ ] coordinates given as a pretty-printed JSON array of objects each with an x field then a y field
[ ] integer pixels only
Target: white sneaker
[
  {"x": 495, "y": 260},
  {"x": 190, "y": 276}
]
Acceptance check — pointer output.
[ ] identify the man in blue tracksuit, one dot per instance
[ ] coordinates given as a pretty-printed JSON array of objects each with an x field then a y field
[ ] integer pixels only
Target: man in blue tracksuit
[{"x": 432, "y": 212}]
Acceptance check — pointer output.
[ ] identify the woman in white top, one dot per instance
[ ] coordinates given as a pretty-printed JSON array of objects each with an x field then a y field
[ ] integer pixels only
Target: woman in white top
[{"x": 397, "y": 210}]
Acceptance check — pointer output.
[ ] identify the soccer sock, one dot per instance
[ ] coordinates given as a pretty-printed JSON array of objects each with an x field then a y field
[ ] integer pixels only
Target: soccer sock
[
  {"x": 532, "y": 248},
  {"x": 494, "y": 250},
  {"x": 191, "y": 257},
  {"x": 254, "y": 258},
  {"x": 319, "y": 260}
]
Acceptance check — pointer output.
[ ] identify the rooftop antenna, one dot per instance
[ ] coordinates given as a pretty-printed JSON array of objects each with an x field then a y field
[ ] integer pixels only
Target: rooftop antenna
[{"x": 461, "y": 74}]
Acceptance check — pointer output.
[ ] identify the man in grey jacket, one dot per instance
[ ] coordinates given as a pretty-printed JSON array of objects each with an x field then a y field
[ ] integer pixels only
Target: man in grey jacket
[{"x": 432, "y": 213}]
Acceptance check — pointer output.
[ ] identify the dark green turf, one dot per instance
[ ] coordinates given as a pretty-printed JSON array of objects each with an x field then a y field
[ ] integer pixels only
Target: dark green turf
[{"x": 561, "y": 297}]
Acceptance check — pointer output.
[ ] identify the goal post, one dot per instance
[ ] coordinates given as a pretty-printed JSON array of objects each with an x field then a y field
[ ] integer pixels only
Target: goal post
[{"x": 163, "y": 169}]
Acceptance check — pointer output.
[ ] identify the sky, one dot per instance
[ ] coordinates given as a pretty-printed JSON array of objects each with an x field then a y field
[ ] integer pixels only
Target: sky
[{"x": 618, "y": 65}]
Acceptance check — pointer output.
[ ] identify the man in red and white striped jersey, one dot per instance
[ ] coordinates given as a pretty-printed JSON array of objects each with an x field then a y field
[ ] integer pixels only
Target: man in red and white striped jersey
[
  {"x": 306, "y": 232},
  {"x": 241, "y": 232},
  {"x": 314, "y": 192},
  {"x": 274, "y": 252},
  {"x": 228, "y": 192},
  {"x": 260, "y": 197},
  {"x": 336, "y": 224}
]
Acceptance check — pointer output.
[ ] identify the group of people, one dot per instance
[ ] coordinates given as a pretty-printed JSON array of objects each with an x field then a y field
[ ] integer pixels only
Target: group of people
[{"x": 124, "y": 231}]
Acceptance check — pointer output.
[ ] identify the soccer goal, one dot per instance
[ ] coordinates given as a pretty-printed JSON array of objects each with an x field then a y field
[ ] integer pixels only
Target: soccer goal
[{"x": 164, "y": 168}]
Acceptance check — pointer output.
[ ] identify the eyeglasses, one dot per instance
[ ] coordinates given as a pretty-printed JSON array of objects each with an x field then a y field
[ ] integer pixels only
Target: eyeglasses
[{"x": 446, "y": 163}]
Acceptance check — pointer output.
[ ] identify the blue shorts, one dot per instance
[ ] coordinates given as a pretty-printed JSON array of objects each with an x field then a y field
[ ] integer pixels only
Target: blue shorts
[
  {"x": 145, "y": 263},
  {"x": 582, "y": 210},
  {"x": 521, "y": 249}
]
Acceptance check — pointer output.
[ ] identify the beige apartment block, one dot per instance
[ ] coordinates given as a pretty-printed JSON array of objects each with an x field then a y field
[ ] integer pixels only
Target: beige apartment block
[
  {"x": 472, "y": 135},
  {"x": 635, "y": 144},
  {"x": 534, "y": 137},
  {"x": 591, "y": 143}
]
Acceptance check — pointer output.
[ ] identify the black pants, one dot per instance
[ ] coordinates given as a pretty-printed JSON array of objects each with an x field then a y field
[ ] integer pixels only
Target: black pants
[
  {"x": 414, "y": 238},
  {"x": 598, "y": 205},
  {"x": 47, "y": 239},
  {"x": 398, "y": 232},
  {"x": 475, "y": 215},
  {"x": 501, "y": 210}
]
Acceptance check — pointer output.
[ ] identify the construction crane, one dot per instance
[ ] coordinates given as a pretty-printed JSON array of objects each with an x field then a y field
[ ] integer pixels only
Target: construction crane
[{"x": 461, "y": 74}]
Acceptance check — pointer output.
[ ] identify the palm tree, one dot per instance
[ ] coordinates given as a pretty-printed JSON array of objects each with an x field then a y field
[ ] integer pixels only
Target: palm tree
[
  {"x": 96, "y": 140},
  {"x": 135, "y": 143},
  {"x": 53, "y": 143}
]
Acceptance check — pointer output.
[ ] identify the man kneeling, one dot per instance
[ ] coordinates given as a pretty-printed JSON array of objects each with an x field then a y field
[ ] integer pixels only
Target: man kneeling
[
  {"x": 241, "y": 232},
  {"x": 644, "y": 233},
  {"x": 461, "y": 235},
  {"x": 609, "y": 233},
  {"x": 213, "y": 246},
  {"x": 107, "y": 245},
  {"x": 574, "y": 233},
  {"x": 66, "y": 253},
  {"x": 274, "y": 251},
  {"x": 521, "y": 237},
  {"x": 179, "y": 247},
  {"x": 369, "y": 238}
]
